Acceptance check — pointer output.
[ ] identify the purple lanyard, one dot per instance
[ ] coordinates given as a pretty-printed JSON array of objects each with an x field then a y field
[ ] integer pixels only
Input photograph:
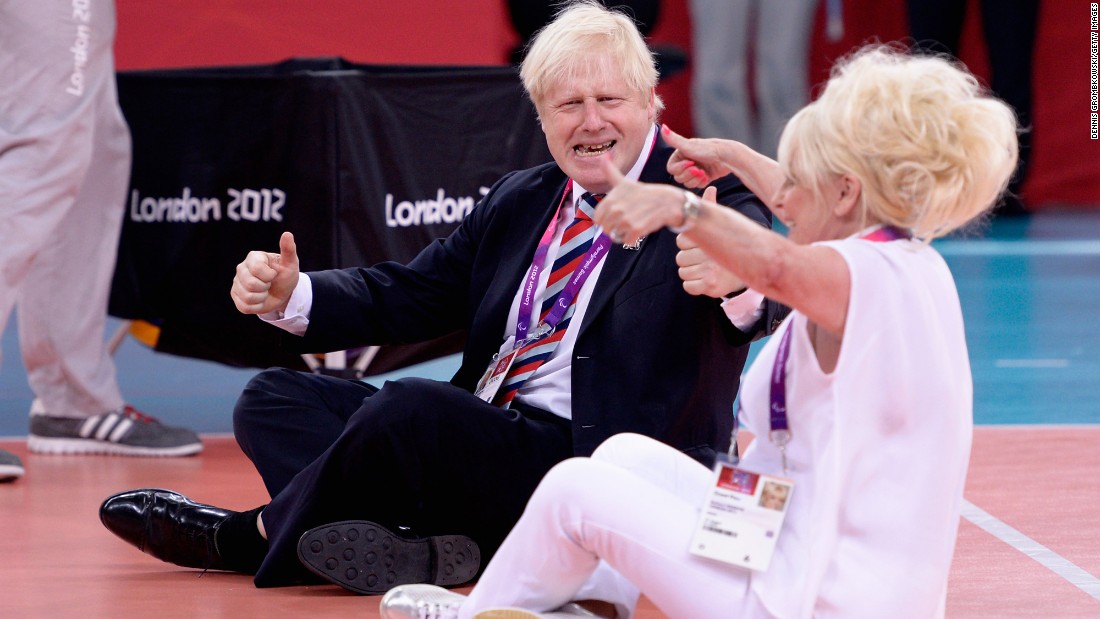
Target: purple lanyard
[
  {"x": 580, "y": 275},
  {"x": 780, "y": 433},
  {"x": 592, "y": 258},
  {"x": 883, "y": 234}
]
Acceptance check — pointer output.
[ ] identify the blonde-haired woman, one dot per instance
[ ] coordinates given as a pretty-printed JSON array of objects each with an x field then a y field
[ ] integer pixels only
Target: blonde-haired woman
[{"x": 862, "y": 400}]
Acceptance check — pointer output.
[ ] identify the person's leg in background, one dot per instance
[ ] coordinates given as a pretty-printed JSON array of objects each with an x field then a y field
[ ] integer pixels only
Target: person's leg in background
[
  {"x": 721, "y": 103},
  {"x": 62, "y": 307},
  {"x": 65, "y": 164},
  {"x": 1009, "y": 27},
  {"x": 45, "y": 141},
  {"x": 782, "y": 73},
  {"x": 936, "y": 25}
]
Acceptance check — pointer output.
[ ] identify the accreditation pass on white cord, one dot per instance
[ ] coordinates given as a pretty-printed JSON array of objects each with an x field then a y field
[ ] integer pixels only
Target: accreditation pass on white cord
[{"x": 742, "y": 517}]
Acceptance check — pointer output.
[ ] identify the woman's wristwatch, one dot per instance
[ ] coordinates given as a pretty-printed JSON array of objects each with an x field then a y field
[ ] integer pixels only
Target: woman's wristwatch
[{"x": 692, "y": 204}]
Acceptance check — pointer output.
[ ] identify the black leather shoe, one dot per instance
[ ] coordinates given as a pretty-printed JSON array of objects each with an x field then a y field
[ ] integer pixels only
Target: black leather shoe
[
  {"x": 368, "y": 558},
  {"x": 167, "y": 525}
]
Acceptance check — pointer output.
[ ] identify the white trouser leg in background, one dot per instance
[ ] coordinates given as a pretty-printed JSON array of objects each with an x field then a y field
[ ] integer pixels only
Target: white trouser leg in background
[
  {"x": 728, "y": 34},
  {"x": 588, "y": 509},
  {"x": 782, "y": 73},
  {"x": 721, "y": 104},
  {"x": 64, "y": 166}
]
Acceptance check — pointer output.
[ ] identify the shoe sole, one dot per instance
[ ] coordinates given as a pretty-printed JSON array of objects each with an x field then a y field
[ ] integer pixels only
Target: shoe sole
[
  {"x": 368, "y": 558},
  {"x": 78, "y": 446}
]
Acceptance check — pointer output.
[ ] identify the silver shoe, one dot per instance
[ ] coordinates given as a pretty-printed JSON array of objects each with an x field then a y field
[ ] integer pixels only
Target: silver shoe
[{"x": 420, "y": 601}]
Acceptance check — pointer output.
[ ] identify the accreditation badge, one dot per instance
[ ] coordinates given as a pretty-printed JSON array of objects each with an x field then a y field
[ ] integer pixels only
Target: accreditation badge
[
  {"x": 742, "y": 517},
  {"x": 494, "y": 375}
]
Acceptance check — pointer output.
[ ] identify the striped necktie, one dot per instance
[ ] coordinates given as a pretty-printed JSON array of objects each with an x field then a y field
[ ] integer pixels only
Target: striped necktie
[{"x": 574, "y": 245}]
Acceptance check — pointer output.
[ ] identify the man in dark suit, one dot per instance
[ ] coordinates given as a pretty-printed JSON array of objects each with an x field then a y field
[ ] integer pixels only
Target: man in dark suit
[{"x": 443, "y": 470}]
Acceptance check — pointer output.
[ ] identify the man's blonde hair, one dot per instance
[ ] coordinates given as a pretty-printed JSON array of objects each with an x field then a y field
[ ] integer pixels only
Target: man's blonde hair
[{"x": 563, "y": 50}]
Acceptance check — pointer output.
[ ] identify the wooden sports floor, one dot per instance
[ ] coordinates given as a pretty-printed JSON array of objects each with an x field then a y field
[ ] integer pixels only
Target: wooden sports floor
[{"x": 1029, "y": 540}]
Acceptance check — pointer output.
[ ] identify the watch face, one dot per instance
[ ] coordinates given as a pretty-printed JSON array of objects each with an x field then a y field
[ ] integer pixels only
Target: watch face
[{"x": 692, "y": 203}]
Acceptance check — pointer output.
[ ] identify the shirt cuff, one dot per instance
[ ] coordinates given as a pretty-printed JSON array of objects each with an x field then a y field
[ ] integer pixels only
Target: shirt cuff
[
  {"x": 745, "y": 309},
  {"x": 295, "y": 319}
]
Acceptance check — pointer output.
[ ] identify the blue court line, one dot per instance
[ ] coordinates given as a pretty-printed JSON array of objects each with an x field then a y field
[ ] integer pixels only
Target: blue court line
[{"x": 1044, "y": 556}]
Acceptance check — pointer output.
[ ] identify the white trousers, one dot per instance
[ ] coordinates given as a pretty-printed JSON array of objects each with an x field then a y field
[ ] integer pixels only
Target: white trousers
[
  {"x": 727, "y": 35},
  {"x": 633, "y": 505},
  {"x": 64, "y": 169}
]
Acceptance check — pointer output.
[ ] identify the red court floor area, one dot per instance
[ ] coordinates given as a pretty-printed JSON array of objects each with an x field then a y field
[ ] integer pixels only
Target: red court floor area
[{"x": 59, "y": 561}]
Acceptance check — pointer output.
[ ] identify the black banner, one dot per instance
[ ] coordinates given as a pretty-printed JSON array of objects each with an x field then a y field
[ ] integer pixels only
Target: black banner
[{"x": 362, "y": 163}]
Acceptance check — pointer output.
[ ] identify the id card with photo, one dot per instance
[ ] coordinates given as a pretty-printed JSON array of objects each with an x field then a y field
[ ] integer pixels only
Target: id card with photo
[
  {"x": 490, "y": 382},
  {"x": 742, "y": 518}
]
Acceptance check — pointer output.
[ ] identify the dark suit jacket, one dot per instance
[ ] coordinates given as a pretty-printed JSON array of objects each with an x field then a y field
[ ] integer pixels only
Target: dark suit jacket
[{"x": 649, "y": 357}]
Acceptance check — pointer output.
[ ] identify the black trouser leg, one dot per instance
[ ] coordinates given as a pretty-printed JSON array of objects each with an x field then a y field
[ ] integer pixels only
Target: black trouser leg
[
  {"x": 423, "y": 454},
  {"x": 285, "y": 419}
]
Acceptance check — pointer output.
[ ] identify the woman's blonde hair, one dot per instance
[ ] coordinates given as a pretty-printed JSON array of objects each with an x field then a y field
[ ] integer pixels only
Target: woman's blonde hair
[
  {"x": 931, "y": 149},
  {"x": 563, "y": 50}
]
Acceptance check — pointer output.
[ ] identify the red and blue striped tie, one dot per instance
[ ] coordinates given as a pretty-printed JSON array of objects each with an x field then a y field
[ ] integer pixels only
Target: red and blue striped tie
[{"x": 574, "y": 245}]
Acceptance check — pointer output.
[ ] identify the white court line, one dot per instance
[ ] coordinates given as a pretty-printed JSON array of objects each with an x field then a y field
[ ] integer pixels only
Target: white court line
[
  {"x": 963, "y": 247},
  {"x": 1045, "y": 556}
]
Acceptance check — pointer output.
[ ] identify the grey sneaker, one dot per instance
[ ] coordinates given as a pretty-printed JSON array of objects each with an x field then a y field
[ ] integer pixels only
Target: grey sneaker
[
  {"x": 11, "y": 468},
  {"x": 126, "y": 432}
]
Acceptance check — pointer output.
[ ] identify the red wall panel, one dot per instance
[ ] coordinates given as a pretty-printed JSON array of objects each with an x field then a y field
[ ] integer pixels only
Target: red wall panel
[{"x": 180, "y": 33}]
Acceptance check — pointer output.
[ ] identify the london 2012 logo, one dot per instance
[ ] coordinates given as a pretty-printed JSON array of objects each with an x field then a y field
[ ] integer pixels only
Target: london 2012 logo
[
  {"x": 242, "y": 205},
  {"x": 440, "y": 209}
]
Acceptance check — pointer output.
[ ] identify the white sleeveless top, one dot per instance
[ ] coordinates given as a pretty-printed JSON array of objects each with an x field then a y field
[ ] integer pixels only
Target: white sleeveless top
[{"x": 879, "y": 447}]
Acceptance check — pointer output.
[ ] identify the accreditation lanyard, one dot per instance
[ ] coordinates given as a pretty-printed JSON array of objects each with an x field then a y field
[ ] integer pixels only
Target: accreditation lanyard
[
  {"x": 779, "y": 430},
  {"x": 580, "y": 275}
]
